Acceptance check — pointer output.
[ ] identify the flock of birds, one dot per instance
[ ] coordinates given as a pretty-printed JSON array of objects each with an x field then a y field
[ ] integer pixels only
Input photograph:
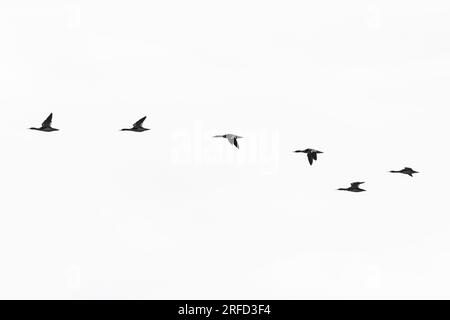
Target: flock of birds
[{"x": 233, "y": 139}]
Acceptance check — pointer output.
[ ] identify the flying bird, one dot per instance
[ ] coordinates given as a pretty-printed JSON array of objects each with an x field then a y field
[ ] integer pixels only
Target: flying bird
[
  {"x": 137, "y": 127},
  {"x": 311, "y": 153},
  {"x": 46, "y": 125},
  {"x": 406, "y": 170},
  {"x": 354, "y": 187},
  {"x": 232, "y": 138}
]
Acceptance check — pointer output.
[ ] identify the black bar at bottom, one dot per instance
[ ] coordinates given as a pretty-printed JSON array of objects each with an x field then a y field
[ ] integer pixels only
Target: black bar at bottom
[{"x": 224, "y": 309}]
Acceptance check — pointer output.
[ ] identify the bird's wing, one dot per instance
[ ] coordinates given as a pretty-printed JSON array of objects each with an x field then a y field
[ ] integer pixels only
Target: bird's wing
[
  {"x": 48, "y": 122},
  {"x": 310, "y": 158},
  {"x": 356, "y": 184},
  {"x": 139, "y": 123},
  {"x": 235, "y": 142},
  {"x": 314, "y": 155}
]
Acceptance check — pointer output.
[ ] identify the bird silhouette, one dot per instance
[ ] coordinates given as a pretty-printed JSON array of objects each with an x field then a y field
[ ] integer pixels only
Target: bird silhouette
[
  {"x": 311, "y": 153},
  {"x": 137, "y": 127},
  {"x": 354, "y": 187},
  {"x": 232, "y": 138},
  {"x": 406, "y": 170},
  {"x": 46, "y": 125}
]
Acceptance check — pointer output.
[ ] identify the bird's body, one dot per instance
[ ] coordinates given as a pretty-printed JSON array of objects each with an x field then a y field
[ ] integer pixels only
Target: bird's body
[
  {"x": 354, "y": 187},
  {"x": 311, "y": 153},
  {"x": 232, "y": 138},
  {"x": 137, "y": 127},
  {"x": 406, "y": 170},
  {"x": 46, "y": 125}
]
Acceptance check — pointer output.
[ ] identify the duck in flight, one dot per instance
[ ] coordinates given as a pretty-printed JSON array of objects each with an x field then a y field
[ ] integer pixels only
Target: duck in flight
[
  {"x": 46, "y": 125},
  {"x": 137, "y": 127},
  {"x": 232, "y": 138},
  {"x": 311, "y": 153},
  {"x": 354, "y": 187},
  {"x": 406, "y": 170}
]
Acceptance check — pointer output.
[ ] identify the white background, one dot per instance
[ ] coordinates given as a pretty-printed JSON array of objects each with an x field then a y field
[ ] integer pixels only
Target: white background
[{"x": 92, "y": 212}]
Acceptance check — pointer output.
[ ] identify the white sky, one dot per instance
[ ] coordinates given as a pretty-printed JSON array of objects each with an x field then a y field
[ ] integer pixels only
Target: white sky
[{"x": 91, "y": 212}]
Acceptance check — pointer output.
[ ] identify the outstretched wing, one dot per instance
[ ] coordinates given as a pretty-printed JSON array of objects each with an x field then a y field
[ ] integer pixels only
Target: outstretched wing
[
  {"x": 356, "y": 184},
  {"x": 139, "y": 123},
  {"x": 310, "y": 158},
  {"x": 235, "y": 142},
  {"x": 48, "y": 122}
]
